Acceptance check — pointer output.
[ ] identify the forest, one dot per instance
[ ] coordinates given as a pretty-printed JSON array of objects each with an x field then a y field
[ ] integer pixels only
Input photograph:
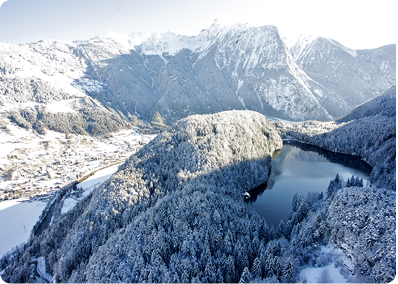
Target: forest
[
  {"x": 369, "y": 131},
  {"x": 174, "y": 211}
]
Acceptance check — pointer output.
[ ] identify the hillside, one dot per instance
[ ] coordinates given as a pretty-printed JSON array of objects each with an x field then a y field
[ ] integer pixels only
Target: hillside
[
  {"x": 382, "y": 105},
  {"x": 190, "y": 174},
  {"x": 37, "y": 83},
  {"x": 369, "y": 131}
]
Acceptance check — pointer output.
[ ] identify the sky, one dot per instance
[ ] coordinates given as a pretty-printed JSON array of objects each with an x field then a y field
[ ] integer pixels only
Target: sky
[{"x": 355, "y": 24}]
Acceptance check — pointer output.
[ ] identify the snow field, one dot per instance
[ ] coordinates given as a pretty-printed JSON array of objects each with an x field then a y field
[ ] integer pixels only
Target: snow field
[
  {"x": 329, "y": 273},
  {"x": 16, "y": 222}
]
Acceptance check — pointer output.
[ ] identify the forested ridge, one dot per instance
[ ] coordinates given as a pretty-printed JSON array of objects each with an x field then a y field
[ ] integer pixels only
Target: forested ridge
[
  {"x": 174, "y": 212},
  {"x": 369, "y": 131}
]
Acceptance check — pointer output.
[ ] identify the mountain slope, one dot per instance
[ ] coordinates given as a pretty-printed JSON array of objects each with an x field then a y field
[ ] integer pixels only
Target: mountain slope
[
  {"x": 354, "y": 75},
  {"x": 222, "y": 68},
  {"x": 192, "y": 173},
  {"x": 43, "y": 86},
  {"x": 174, "y": 212},
  {"x": 383, "y": 105}
]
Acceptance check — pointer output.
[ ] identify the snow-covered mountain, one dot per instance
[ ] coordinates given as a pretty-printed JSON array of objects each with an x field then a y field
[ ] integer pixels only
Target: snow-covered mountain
[
  {"x": 43, "y": 85},
  {"x": 238, "y": 67},
  {"x": 383, "y": 105},
  {"x": 354, "y": 76},
  {"x": 98, "y": 84}
]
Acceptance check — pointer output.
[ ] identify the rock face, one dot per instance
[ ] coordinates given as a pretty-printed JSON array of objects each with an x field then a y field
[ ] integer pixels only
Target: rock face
[{"x": 221, "y": 68}]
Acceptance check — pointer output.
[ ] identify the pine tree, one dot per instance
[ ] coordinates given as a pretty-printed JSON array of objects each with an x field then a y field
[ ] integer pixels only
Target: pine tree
[
  {"x": 295, "y": 202},
  {"x": 246, "y": 276},
  {"x": 280, "y": 231},
  {"x": 230, "y": 273},
  {"x": 289, "y": 271},
  {"x": 334, "y": 185},
  {"x": 257, "y": 270}
]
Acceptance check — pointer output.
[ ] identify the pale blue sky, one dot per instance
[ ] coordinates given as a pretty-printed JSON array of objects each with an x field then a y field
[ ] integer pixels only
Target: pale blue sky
[{"x": 355, "y": 24}]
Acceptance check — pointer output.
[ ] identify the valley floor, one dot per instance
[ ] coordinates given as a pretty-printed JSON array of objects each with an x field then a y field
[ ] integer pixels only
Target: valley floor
[{"x": 34, "y": 165}]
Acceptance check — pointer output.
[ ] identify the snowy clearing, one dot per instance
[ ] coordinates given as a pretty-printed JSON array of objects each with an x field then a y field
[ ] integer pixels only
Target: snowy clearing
[
  {"x": 330, "y": 273},
  {"x": 16, "y": 222},
  {"x": 327, "y": 274},
  {"x": 41, "y": 269}
]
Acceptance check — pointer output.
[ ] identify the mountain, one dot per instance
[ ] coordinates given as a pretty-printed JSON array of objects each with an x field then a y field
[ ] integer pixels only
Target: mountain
[
  {"x": 111, "y": 80},
  {"x": 42, "y": 85},
  {"x": 354, "y": 76},
  {"x": 382, "y": 105},
  {"x": 221, "y": 68}
]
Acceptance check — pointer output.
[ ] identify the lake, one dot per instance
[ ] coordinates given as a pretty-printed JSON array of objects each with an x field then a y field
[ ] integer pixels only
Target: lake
[{"x": 301, "y": 168}]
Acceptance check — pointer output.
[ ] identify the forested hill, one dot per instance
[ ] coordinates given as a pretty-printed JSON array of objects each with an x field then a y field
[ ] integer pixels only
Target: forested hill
[
  {"x": 181, "y": 194},
  {"x": 383, "y": 105},
  {"x": 369, "y": 131}
]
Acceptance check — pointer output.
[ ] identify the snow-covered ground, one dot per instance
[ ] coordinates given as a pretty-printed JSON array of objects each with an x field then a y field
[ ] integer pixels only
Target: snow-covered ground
[
  {"x": 330, "y": 273},
  {"x": 17, "y": 219},
  {"x": 34, "y": 165},
  {"x": 41, "y": 269},
  {"x": 89, "y": 185},
  {"x": 326, "y": 274}
]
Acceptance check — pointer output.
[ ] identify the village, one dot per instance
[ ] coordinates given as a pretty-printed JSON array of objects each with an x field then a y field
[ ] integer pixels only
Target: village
[{"x": 36, "y": 166}]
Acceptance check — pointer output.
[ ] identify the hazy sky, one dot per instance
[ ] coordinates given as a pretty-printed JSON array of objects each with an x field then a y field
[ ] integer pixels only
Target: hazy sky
[{"x": 355, "y": 24}]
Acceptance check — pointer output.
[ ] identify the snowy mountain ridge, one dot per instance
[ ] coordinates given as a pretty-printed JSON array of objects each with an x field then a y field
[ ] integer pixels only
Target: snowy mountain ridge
[
  {"x": 355, "y": 75},
  {"x": 304, "y": 42},
  {"x": 141, "y": 74},
  {"x": 157, "y": 43}
]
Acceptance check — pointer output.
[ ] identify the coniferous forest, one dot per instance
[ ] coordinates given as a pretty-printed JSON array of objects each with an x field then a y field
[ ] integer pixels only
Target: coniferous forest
[{"x": 174, "y": 211}]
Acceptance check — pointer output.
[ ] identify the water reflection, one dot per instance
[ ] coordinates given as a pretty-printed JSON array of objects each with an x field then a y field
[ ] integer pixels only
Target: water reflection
[{"x": 301, "y": 168}]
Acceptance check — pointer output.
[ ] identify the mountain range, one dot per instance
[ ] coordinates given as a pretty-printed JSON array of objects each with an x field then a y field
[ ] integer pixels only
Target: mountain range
[{"x": 106, "y": 83}]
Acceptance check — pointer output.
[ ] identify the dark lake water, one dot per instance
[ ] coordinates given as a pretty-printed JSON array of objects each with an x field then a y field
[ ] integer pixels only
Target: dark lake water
[{"x": 301, "y": 168}]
